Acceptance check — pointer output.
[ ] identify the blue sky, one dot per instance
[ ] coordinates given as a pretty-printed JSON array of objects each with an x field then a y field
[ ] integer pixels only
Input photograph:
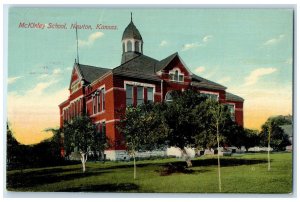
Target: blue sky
[{"x": 247, "y": 50}]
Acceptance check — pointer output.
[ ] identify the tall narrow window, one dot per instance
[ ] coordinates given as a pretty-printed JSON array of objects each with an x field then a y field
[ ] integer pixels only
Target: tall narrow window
[
  {"x": 150, "y": 94},
  {"x": 103, "y": 98},
  {"x": 136, "y": 46},
  {"x": 103, "y": 131},
  {"x": 176, "y": 76},
  {"x": 123, "y": 47},
  {"x": 231, "y": 111},
  {"x": 98, "y": 101},
  {"x": 180, "y": 77},
  {"x": 140, "y": 97},
  {"x": 129, "y": 46},
  {"x": 94, "y": 105},
  {"x": 129, "y": 95}
]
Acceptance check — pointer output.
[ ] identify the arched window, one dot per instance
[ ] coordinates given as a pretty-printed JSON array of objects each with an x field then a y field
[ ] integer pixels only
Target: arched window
[
  {"x": 123, "y": 47},
  {"x": 176, "y": 75},
  {"x": 129, "y": 46},
  {"x": 168, "y": 96},
  {"x": 136, "y": 46}
]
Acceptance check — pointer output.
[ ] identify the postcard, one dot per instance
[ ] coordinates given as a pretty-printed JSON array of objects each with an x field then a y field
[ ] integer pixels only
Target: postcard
[{"x": 150, "y": 100}]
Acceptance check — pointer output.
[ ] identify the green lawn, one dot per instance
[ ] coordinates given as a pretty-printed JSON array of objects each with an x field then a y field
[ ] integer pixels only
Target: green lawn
[{"x": 240, "y": 174}]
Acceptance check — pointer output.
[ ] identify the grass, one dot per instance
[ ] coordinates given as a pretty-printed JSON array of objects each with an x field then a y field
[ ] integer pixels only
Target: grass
[{"x": 240, "y": 174}]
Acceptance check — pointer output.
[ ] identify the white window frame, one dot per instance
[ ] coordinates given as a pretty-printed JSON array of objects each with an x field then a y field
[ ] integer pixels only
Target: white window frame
[
  {"x": 132, "y": 94},
  {"x": 143, "y": 97},
  {"x": 210, "y": 93},
  {"x": 172, "y": 72},
  {"x": 152, "y": 94},
  {"x": 134, "y": 83},
  {"x": 234, "y": 108}
]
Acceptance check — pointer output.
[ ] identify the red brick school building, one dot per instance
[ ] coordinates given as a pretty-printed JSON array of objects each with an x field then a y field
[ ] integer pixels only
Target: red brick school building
[{"x": 100, "y": 92}]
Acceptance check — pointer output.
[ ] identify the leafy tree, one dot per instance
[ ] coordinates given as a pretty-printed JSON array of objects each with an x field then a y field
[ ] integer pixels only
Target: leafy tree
[
  {"x": 206, "y": 128},
  {"x": 55, "y": 143},
  {"x": 251, "y": 138},
  {"x": 142, "y": 129},
  {"x": 79, "y": 136},
  {"x": 272, "y": 131},
  {"x": 182, "y": 121},
  {"x": 12, "y": 146}
]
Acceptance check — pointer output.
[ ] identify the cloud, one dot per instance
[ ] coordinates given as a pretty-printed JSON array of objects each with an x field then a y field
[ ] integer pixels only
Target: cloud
[
  {"x": 163, "y": 43},
  {"x": 274, "y": 40},
  {"x": 12, "y": 80},
  {"x": 56, "y": 71},
  {"x": 200, "y": 69},
  {"x": 189, "y": 46},
  {"x": 207, "y": 38},
  {"x": 257, "y": 73},
  {"x": 40, "y": 87},
  {"x": 91, "y": 39}
]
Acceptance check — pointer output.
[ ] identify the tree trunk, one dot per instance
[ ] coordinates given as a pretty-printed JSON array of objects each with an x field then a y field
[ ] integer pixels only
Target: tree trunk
[
  {"x": 134, "y": 167},
  {"x": 219, "y": 165},
  {"x": 83, "y": 160},
  {"x": 269, "y": 139},
  {"x": 186, "y": 158}
]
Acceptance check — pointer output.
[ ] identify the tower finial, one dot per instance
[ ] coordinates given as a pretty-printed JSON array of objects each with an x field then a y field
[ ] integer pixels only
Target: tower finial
[
  {"x": 131, "y": 16},
  {"x": 77, "y": 45}
]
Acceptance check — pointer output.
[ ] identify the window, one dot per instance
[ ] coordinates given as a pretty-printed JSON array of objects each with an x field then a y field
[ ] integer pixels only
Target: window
[
  {"x": 176, "y": 75},
  {"x": 129, "y": 95},
  {"x": 123, "y": 47},
  {"x": 172, "y": 76},
  {"x": 211, "y": 96},
  {"x": 230, "y": 108},
  {"x": 150, "y": 94},
  {"x": 94, "y": 105},
  {"x": 98, "y": 102},
  {"x": 136, "y": 46},
  {"x": 103, "y": 129},
  {"x": 103, "y": 98},
  {"x": 129, "y": 46},
  {"x": 181, "y": 78},
  {"x": 169, "y": 97},
  {"x": 140, "y": 96}
]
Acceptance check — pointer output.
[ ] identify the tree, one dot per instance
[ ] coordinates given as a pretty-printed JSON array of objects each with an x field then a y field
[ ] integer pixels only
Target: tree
[
  {"x": 55, "y": 143},
  {"x": 250, "y": 138},
  {"x": 218, "y": 114},
  {"x": 142, "y": 129},
  {"x": 273, "y": 135},
  {"x": 79, "y": 136},
  {"x": 12, "y": 146},
  {"x": 278, "y": 138},
  {"x": 181, "y": 120}
]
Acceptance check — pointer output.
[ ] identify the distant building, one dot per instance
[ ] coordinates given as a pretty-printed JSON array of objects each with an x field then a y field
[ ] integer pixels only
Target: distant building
[{"x": 101, "y": 92}]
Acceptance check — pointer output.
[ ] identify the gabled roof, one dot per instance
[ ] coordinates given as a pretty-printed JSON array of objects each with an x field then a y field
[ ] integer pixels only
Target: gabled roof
[
  {"x": 91, "y": 73},
  {"x": 201, "y": 82},
  {"x": 163, "y": 63},
  {"x": 232, "y": 97}
]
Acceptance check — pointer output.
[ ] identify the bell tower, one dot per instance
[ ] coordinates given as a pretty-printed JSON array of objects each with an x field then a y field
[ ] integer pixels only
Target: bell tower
[{"x": 132, "y": 42}]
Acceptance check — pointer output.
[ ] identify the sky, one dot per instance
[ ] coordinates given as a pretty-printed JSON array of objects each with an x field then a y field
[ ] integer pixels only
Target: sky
[{"x": 250, "y": 51}]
